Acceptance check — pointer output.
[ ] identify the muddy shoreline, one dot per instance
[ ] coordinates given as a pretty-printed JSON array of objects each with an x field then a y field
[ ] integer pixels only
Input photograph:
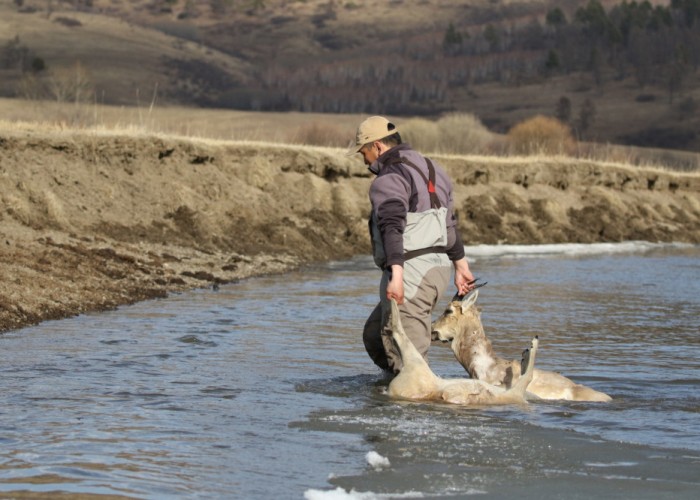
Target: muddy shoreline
[{"x": 90, "y": 222}]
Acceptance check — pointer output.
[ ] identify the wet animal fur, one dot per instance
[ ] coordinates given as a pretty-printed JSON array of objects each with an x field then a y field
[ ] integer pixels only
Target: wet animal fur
[
  {"x": 416, "y": 381},
  {"x": 461, "y": 324}
]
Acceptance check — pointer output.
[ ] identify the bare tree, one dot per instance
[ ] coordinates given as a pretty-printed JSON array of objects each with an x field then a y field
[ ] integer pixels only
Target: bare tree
[
  {"x": 31, "y": 88},
  {"x": 72, "y": 84},
  {"x": 563, "y": 109}
]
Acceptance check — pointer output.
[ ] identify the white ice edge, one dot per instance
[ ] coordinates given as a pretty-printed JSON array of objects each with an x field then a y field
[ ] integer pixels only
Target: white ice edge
[{"x": 568, "y": 249}]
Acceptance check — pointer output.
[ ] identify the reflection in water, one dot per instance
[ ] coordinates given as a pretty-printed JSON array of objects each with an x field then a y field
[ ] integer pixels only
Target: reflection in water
[{"x": 263, "y": 389}]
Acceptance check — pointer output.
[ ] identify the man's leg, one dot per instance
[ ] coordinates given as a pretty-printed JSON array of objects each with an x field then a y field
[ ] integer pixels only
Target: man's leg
[
  {"x": 416, "y": 312},
  {"x": 372, "y": 337}
]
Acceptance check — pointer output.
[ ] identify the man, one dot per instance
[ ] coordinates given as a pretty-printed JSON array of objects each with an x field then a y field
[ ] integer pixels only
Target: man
[{"x": 414, "y": 235}]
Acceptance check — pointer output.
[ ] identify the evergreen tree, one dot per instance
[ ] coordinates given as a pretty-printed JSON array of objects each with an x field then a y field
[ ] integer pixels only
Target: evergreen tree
[
  {"x": 452, "y": 40},
  {"x": 555, "y": 17}
]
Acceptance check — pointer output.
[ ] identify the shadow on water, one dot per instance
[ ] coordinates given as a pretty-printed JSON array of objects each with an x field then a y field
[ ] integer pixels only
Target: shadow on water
[
  {"x": 346, "y": 387},
  {"x": 227, "y": 395}
]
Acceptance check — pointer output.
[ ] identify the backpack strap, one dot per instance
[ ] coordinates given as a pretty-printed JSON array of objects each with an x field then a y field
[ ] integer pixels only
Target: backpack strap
[
  {"x": 423, "y": 251},
  {"x": 429, "y": 181}
]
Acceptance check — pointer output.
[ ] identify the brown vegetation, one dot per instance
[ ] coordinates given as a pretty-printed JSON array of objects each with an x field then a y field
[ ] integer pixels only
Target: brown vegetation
[
  {"x": 541, "y": 135},
  {"x": 454, "y": 133}
]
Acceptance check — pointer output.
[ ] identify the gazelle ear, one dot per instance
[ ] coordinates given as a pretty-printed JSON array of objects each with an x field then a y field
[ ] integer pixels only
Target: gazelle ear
[{"x": 470, "y": 299}]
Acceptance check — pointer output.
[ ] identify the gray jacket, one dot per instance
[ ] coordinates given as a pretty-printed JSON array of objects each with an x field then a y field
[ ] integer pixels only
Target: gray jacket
[{"x": 404, "y": 219}]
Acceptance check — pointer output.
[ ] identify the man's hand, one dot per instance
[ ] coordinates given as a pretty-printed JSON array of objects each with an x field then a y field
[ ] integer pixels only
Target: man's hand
[
  {"x": 394, "y": 289},
  {"x": 463, "y": 276}
]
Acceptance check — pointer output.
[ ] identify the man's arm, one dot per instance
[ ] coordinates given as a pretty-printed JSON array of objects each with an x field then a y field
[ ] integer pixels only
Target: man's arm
[{"x": 394, "y": 289}]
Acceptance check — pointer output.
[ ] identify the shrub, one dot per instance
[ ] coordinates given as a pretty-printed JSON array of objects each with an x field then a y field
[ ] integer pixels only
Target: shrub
[
  {"x": 71, "y": 84},
  {"x": 69, "y": 22},
  {"x": 322, "y": 134},
  {"x": 645, "y": 98},
  {"x": 455, "y": 133},
  {"x": 421, "y": 133},
  {"x": 540, "y": 135},
  {"x": 463, "y": 133},
  {"x": 38, "y": 65}
]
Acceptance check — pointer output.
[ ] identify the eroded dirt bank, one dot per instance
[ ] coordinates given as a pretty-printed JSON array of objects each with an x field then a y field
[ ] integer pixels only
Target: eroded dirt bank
[{"x": 89, "y": 222}]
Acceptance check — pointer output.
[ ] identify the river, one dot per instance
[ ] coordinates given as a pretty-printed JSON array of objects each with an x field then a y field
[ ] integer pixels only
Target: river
[{"x": 262, "y": 389}]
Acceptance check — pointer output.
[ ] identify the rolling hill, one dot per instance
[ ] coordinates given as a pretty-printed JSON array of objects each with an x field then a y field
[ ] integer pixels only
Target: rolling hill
[{"x": 492, "y": 58}]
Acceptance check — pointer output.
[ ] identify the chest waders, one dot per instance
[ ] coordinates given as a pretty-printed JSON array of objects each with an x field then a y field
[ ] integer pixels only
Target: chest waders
[{"x": 426, "y": 274}]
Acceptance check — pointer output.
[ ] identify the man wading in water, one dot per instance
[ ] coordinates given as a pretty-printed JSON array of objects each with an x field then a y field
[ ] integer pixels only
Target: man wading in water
[{"x": 414, "y": 236}]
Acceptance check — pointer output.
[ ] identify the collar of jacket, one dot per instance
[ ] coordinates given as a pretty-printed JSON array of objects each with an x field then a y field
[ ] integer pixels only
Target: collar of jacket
[{"x": 377, "y": 165}]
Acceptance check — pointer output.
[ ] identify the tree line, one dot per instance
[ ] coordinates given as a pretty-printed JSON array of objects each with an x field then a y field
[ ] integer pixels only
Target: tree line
[{"x": 654, "y": 44}]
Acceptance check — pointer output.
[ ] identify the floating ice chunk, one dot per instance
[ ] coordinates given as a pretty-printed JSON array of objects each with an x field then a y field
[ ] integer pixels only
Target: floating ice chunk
[
  {"x": 340, "y": 494},
  {"x": 376, "y": 460},
  {"x": 336, "y": 494}
]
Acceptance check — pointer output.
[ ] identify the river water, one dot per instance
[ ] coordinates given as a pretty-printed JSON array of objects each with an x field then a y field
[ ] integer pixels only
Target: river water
[{"x": 262, "y": 389}]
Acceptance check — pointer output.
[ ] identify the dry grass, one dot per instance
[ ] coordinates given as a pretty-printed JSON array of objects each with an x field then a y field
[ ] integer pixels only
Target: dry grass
[
  {"x": 456, "y": 134},
  {"x": 293, "y": 128}
]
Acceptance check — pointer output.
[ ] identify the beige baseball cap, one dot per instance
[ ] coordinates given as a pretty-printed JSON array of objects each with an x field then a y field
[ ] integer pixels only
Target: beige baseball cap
[{"x": 372, "y": 129}]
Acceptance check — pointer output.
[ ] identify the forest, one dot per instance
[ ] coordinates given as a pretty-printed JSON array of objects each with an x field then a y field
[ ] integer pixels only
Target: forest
[{"x": 657, "y": 46}]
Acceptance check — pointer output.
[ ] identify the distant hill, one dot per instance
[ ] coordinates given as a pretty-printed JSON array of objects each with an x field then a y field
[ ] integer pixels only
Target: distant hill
[{"x": 617, "y": 73}]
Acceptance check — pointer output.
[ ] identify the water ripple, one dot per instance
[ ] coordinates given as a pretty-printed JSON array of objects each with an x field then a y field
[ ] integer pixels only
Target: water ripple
[{"x": 213, "y": 394}]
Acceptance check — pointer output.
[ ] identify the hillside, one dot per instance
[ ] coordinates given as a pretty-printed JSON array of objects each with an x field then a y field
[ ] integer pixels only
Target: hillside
[
  {"x": 504, "y": 60},
  {"x": 94, "y": 220},
  {"x": 96, "y": 57}
]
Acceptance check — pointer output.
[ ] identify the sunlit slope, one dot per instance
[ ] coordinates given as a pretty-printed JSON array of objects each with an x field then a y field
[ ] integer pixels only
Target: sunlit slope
[{"x": 123, "y": 62}]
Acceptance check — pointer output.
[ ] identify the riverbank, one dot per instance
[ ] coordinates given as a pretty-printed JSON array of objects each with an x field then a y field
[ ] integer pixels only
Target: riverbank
[{"x": 91, "y": 221}]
